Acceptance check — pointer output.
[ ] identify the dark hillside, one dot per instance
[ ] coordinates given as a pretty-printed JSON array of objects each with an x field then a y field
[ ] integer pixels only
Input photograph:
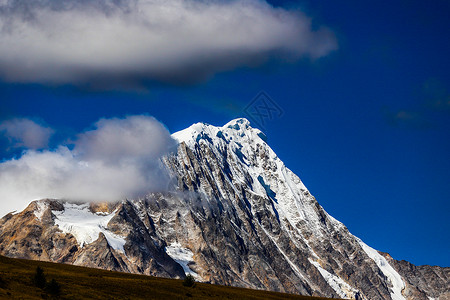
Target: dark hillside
[{"x": 17, "y": 282}]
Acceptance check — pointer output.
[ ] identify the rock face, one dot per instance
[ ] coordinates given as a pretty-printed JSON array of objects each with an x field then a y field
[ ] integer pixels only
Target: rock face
[
  {"x": 236, "y": 216},
  {"x": 423, "y": 282}
]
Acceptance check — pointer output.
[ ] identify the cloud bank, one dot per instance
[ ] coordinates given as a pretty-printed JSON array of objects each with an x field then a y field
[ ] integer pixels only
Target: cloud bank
[
  {"x": 119, "y": 158},
  {"x": 26, "y": 133},
  {"x": 130, "y": 43}
]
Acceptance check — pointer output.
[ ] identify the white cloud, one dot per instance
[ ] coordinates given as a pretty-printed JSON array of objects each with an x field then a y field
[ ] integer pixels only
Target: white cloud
[
  {"x": 26, "y": 133},
  {"x": 120, "y": 158},
  {"x": 128, "y": 43}
]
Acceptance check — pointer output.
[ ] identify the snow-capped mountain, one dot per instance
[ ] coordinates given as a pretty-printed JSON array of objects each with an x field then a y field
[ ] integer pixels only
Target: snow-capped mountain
[{"x": 236, "y": 216}]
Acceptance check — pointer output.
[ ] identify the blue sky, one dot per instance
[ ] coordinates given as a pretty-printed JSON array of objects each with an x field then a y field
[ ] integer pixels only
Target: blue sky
[{"x": 366, "y": 126}]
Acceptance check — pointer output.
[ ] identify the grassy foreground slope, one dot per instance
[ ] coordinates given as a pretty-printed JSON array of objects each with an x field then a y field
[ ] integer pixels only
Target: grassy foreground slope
[{"x": 16, "y": 282}]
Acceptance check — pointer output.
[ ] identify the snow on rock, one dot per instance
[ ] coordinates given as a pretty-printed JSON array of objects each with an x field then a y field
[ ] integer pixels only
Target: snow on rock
[
  {"x": 252, "y": 163},
  {"x": 247, "y": 147},
  {"x": 342, "y": 288},
  {"x": 183, "y": 256},
  {"x": 40, "y": 209},
  {"x": 291, "y": 199},
  {"x": 85, "y": 226},
  {"x": 396, "y": 280}
]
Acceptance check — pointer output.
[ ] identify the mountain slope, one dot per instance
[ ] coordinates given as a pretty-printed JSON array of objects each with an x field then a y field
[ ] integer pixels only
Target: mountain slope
[{"x": 235, "y": 216}]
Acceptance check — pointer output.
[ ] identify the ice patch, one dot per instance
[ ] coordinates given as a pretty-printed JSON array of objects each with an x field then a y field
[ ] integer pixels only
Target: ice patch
[
  {"x": 342, "y": 288},
  {"x": 85, "y": 226},
  {"x": 397, "y": 283},
  {"x": 182, "y": 256}
]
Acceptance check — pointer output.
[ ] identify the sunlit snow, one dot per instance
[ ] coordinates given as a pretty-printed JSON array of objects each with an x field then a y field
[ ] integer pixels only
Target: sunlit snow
[
  {"x": 182, "y": 256},
  {"x": 85, "y": 226},
  {"x": 397, "y": 283},
  {"x": 342, "y": 288},
  {"x": 40, "y": 209}
]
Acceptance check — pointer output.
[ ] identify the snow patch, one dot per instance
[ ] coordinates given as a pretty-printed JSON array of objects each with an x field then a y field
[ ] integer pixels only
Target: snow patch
[
  {"x": 40, "y": 209},
  {"x": 85, "y": 226},
  {"x": 189, "y": 134},
  {"x": 342, "y": 288},
  {"x": 183, "y": 256},
  {"x": 396, "y": 280}
]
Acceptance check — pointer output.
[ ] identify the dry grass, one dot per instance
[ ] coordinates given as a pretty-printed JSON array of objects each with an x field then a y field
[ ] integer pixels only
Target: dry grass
[{"x": 86, "y": 283}]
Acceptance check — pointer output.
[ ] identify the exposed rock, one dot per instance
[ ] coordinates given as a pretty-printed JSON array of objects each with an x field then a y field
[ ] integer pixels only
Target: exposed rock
[{"x": 423, "y": 282}]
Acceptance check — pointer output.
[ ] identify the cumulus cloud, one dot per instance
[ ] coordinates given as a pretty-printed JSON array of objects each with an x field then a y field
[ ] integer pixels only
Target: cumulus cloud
[
  {"x": 124, "y": 43},
  {"x": 118, "y": 159},
  {"x": 26, "y": 133}
]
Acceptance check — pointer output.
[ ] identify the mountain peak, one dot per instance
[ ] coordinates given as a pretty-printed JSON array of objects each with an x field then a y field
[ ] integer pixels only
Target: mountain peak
[
  {"x": 236, "y": 129},
  {"x": 239, "y": 123}
]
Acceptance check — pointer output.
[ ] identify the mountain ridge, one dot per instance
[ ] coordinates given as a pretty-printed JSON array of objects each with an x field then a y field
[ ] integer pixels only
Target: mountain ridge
[{"x": 236, "y": 216}]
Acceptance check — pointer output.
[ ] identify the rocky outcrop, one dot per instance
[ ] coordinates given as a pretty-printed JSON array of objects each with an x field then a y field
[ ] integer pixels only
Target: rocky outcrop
[
  {"x": 235, "y": 216},
  {"x": 34, "y": 234},
  {"x": 423, "y": 282},
  {"x": 25, "y": 236}
]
